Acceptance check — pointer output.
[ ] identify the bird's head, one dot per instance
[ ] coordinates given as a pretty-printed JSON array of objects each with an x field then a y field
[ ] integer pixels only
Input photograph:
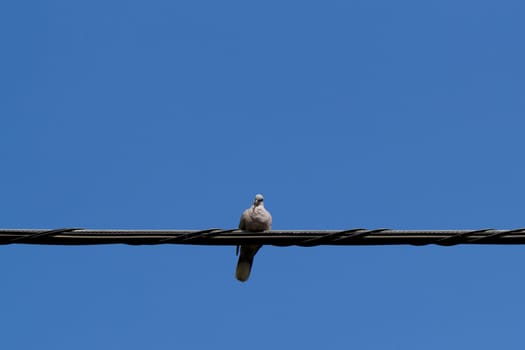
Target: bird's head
[{"x": 258, "y": 200}]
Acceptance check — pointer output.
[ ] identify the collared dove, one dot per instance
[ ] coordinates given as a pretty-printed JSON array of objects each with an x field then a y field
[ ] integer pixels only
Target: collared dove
[{"x": 254, "y": 219}]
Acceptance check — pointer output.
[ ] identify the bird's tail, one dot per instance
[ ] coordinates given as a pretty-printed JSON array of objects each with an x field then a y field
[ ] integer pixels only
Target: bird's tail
[{"x": 244, "y": 265}]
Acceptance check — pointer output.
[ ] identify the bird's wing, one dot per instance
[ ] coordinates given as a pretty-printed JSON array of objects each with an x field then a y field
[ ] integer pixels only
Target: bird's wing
[
  {"x": 242, "y": 222},
  {"x": 269, "y": 220}
]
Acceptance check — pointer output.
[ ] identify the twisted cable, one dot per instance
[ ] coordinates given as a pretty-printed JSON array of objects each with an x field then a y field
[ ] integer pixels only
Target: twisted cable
[{"x": 233, "y": 237}]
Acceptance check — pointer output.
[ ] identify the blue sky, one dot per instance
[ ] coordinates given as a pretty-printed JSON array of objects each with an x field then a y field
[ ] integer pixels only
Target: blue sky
[{"x": 173, "y": 114}]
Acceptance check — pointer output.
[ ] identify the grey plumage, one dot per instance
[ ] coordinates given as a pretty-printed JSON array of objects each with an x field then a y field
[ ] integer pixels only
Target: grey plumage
[{"x": 254, "y": 219}]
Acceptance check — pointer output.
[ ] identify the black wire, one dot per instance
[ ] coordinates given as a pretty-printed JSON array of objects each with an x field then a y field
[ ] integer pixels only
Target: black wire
[
  {"x": 47, "y": 233},
  {"x": 459, "y": 237},
  {"x": 233, "y": 237},
  {"x": 196, "y": 235},
  {"x": 328, "y": 237}
]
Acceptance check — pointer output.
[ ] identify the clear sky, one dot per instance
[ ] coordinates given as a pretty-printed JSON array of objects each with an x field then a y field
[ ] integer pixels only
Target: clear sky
[{"x": 174, "y": 114}]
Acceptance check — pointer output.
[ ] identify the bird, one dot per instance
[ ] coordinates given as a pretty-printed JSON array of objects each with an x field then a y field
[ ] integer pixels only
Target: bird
[{"x": 254, "y": 219}]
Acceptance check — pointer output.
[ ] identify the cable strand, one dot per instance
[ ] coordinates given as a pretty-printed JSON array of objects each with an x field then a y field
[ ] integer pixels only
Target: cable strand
[{"x": 233, "y": 237}]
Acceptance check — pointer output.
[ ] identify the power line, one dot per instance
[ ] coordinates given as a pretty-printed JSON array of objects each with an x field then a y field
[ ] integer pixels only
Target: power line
[{"x": 231, "y": 237}]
